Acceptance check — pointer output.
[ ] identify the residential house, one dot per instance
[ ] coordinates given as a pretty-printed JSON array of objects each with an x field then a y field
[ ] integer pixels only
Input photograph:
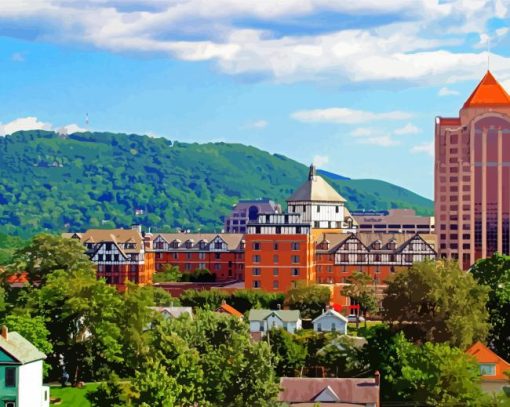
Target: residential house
[
  {"x": 228, "y": 309},
  {"x": 492, "y": 368},
  {"x": 173, "y": 312},
  {"x": 21, "y": 372},
  {"x": 330, "y": 321},
  {"x": 330, "y": 392},
  {"x": 262, "y": 320}
]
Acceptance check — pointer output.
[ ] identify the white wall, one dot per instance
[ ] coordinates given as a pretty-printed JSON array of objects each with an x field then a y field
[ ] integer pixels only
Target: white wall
[
  {"x": 275, "y": 322},
  {"x": 327, "y": 322},
  {"x": 30, "y": 378}
]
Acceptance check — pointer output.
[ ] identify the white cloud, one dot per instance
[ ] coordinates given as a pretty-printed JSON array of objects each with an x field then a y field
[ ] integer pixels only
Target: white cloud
[
  {"x": 417, "y": 48},
  {"x": 343, "y": 115},
  {"x": 427, "y": 148},
  {"x": 71, "y": 128},
  {"x": 362, "y": 132},
  {"x": 24, "y": 123},
  {"x": 257, "y": 124},
  {"x": 320, "y": 160},
  {"x": 383, "y": 141},
  {"x": 33, "y": 123},
  {"x": 409, "y": 128},
  {"x": 445, "y": 91}
]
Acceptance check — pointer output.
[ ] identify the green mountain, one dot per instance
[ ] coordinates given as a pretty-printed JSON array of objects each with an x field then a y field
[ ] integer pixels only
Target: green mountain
[{"x": 53, "y": 182}]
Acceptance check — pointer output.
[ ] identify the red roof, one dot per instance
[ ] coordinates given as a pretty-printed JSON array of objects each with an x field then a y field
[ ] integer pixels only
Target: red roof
[
  {"x": 347, "y": 391},
  {"x": 488, "y": 93},
  {"x": 229, "y": 310},
  {"x": 484, "y": 355}
]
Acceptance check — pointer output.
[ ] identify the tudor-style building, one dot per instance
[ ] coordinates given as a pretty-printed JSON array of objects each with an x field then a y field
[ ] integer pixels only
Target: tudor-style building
[
  {"x": 121, "y": 255},
  {"x": 379, "y": 255},
  {"x": 222, "y": 254}
]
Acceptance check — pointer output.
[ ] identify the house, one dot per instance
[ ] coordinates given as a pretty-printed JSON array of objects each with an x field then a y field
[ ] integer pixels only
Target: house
[
  {"x": 228, "y": 309},
  {"x": 173, "y": 312},
  {"x": 330, "y": 321},
  {"x": 331, "y": 392},
  {"x": 21, "y": 372},
  {"x": 262, "y": 320},
  {"x": 492, "y": 368}
]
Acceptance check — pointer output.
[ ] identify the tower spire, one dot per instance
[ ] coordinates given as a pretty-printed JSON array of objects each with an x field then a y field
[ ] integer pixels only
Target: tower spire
[{"x": 312, "y": 173}]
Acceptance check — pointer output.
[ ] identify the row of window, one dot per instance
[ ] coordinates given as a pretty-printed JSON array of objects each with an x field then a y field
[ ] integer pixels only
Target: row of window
[
  {"x": 176, "y": 244},
  {"x": 116, "y": 257},
  {"x": 276, "y": 259},
  {"x": 276, "y": 245},
  {"x": 257, "y": 272}
]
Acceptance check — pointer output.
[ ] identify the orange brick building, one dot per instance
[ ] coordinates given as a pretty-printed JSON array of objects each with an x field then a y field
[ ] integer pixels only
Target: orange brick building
[
  {"x": 120, "y": 255},
  {"x": 222, "y": 254}
]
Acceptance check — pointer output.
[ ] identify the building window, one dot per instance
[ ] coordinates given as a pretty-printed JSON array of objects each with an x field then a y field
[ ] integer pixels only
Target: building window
[
  {"x": 256, "y": 284},
  {"x": 256, "y": 272},
  {"x": 294, "y": 245},
  {"x": 295, "y": 259},
  {"x": 333, "y": 327},
  {"x": 256, "y": 258},
  {"x": 319, "y": 327},
  {"x": 275, "y": 272},
  {"x": 275, "y": 246},
  {"x": 275, "y": 259},
  {"x": 337, "y": 209},
  {"x": 487, "y": 369},
  {"x": 217, "y": 256},
  {"x": 256, "y": 246},
  {"x": 276, "y": 284},
  {"x": 10, "y": 377},
  {"x": 295, "y": 272},
  {"x": 318, "y": 208}
]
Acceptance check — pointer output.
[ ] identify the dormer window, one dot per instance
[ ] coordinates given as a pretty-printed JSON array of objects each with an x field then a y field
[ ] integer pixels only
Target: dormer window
[
  {"x": 175, "y": 244},
  {"x": 202, "y": 244},
  {"x": 377, "y": 245},
  {"x": 218, "y": 245},
  {"x": 189, "y": 244},
  {"x": 392, "y": 245}
]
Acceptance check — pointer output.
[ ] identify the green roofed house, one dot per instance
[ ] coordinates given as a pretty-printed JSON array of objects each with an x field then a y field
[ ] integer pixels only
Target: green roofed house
[
  {"x": 262, "y": 320},
  {"x": 21, "y": 373}
]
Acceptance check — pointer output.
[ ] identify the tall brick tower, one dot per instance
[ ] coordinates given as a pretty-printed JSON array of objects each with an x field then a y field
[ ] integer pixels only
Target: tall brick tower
[{"x": 472, "y": 176}]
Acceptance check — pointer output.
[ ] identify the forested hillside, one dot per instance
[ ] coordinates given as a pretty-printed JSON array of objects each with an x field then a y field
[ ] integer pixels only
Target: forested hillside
[{"x": 53, "y": 182}]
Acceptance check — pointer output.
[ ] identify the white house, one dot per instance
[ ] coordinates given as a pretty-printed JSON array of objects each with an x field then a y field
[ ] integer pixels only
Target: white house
[
  {"x": 21, "y": 373},
  {"x": 262, "y": 320},
  {"x": 173, "y": 312},
  {"x": 330, "y": 321}
]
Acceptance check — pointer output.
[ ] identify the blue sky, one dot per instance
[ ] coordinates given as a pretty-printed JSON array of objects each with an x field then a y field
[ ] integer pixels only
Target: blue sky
[{"x": 352, "y": 85}]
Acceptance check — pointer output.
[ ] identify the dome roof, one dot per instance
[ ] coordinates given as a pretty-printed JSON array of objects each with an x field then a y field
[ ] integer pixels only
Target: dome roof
[{"x": 315, "y": 189}]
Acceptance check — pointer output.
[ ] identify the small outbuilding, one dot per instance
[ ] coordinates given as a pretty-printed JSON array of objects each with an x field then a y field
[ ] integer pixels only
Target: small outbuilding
[{"x": 330, "y": 321}]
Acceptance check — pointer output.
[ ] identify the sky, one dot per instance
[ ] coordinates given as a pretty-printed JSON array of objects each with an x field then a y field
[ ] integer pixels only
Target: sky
[{"x": 353, "y": 86}]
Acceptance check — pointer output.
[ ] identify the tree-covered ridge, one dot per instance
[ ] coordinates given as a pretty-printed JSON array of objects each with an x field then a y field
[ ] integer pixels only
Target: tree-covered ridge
[{"x": 53, "y": 182}]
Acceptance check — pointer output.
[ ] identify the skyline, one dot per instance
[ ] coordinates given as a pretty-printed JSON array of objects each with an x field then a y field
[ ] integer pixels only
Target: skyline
[{"x": 364, "y": 107}]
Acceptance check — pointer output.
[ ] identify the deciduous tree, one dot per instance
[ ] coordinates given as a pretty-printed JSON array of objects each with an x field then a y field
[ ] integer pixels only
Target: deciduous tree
[
  {"x": 436, "y": 301},
  {"x": 309, "y": 300}
]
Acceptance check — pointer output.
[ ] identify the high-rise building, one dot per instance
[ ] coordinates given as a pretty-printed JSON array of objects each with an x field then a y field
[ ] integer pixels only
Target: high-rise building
[{"x": 472, "y": 176}]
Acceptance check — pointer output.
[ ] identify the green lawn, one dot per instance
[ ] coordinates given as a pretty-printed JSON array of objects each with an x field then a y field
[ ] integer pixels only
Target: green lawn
[
  {"x": 72, "y": 396},
  {"x": 351, "y": 327}
]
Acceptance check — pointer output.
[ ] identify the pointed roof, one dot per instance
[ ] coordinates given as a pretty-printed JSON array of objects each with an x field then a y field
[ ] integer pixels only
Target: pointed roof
[
  {"x": 489, "y": 92},
  {"x": 315, "y": 189},
  {"x": 484, "y": 355}
]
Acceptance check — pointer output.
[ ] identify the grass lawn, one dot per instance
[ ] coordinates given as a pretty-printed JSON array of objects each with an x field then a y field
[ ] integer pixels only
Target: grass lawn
[
  {"x": 73, "y": 396},
  {"x": 351, "y": 327}
]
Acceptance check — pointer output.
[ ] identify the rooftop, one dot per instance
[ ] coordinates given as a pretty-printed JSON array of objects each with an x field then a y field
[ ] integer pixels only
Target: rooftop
[
  {"x": 19, "y": 348},
  {"x": 315, "y": 189},
  {"x": 489, "y": 92}
]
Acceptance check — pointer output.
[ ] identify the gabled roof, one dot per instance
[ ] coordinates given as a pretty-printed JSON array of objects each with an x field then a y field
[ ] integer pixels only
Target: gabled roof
[
  {"x": 232, "y": 240},
  {"x": 315, "y": 189},
  {"x": 488, "y": 93},
  {"x": 284, "y": 315},
  {"x": 20, "y": 349},
  {"x": 228, "y": 309},
  {"x": 174, "y": 312},
  {"x": 483, "y": 354},
  {"x": 116, "y": 236},
  {"x": 330, "y": 312},
  {"x": 349, "y": 391}
]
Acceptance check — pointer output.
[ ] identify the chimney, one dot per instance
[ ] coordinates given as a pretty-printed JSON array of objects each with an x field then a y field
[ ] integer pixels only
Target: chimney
[
  {"x": 223, "y": 302},
  {"x": 5, "y": 332},
  {"x": 279, "y": 306},
  {"x": 377, "y": 377}
]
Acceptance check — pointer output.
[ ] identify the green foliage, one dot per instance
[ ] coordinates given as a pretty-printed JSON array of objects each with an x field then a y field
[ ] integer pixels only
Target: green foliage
[
  {"x": 361, "y": 290},
  {"x": 168, "y": 274},
  {"x": 213, "y": 361},
  {"x": 34, "y": 330},
  {"x": 54, "y": 183},
  {"x": 241, "y": 300},
  {"x": 288, "y": 354},
  {"x": 309, "y": 300},
  {"x": 494, "y": 273},
  {"x": 8, "y": 245},
  {"x": 154, "y": 387},
  {"x": 46, "y": 253},
  {"x": 109, "y": 393},
  {"x": 436, "y": 301},
  {"x": 430, "y": 374}
]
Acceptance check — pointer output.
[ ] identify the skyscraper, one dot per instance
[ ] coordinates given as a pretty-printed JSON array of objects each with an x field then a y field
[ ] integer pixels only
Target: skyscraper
[{"x": 472, "y": 176}]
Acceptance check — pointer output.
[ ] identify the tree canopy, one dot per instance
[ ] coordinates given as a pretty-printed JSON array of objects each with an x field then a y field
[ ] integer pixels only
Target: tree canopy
[
  {"x": 436, "y": 301},
  {"x": 309, "y": 300}
]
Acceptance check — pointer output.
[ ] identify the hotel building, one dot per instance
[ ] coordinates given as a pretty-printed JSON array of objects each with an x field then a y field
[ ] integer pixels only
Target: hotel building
[{"x": 472, "y": 176}]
